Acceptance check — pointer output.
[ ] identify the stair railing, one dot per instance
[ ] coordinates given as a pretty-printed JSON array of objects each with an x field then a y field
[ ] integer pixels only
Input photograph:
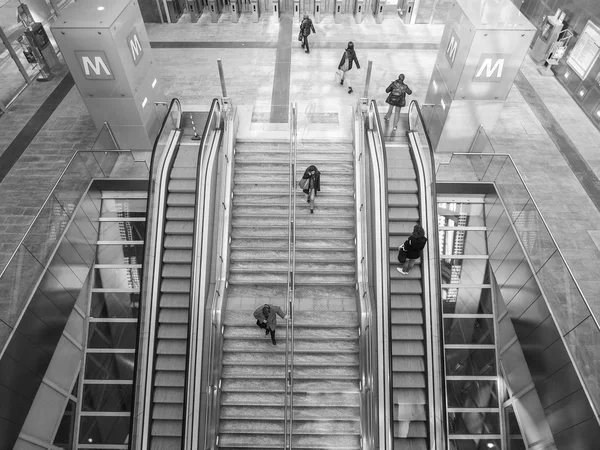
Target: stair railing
[
  {"x": 424, "y": 159},
  {"x": 163, "y": 157},
  {"x": 364, "y": 295},
  {"x": 212, "y": 214},
  {"x": 380, "y": 271},
  {"x": 289, "y": 327}
]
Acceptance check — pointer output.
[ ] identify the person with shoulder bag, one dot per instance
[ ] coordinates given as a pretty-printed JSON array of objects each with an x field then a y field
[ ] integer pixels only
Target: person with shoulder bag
[
  {"x": 266, "y": 318},
  {"x": 410, "y": 250},
  {"x": 397, "y": 98},
  {"x": 345, "y": 65},
  {"x": 305, "y": 28},
  {"x": 310, "y": 185}
]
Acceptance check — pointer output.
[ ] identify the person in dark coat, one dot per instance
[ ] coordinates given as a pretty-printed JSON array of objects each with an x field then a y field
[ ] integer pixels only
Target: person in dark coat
[
  {"x": 266, "y": 318},
  {"x": 312, "y": 186},
  {"x": 345, "y": 65},
  {"x": 397, "y": 98},
  {"x": 410, "y": 251},
  {"x": 305, "y": 28}
]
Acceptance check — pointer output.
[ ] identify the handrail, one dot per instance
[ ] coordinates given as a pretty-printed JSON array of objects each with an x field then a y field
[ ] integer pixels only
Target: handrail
[
  {"x": 51, "y": 193},
  {"x": 380, "y": 237},
  {"x": 521, "y": 179},
  {"x": 163, "y": 157},
  {"x": 207, "y": 143},
  {"x": 207, "y": 295},
  {"x": 363, "y": 295},
  {"x": 431, "y": 279},
  {"x": 291, "y": 289}
]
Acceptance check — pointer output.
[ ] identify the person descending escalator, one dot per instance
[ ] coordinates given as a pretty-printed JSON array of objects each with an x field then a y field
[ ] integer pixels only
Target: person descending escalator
[
  {"x": 310, "y": 185},
  {"x": 410, "y": 250}
]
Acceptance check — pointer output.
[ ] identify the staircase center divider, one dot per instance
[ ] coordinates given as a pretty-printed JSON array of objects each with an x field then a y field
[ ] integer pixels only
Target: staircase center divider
[
  {"x": 201, "y": 406},
  {"x": 289, "y": 326},
  {"x": 163, "y": 157}
]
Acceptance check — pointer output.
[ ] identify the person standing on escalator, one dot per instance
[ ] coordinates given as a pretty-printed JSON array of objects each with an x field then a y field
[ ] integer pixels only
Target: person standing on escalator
[
  {"x": 410, "y": 250},
  {"x": 266, "y": 319}
]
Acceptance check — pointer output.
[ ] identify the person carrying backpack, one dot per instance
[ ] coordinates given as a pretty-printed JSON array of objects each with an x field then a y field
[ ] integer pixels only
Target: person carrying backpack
[
  {"x": 397, "y": 98},
  {"x": 305, "y": 28}
]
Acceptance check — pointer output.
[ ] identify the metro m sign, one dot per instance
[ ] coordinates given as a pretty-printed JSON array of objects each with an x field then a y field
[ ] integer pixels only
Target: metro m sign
[
  {"x": 135, "y": 48},
  {"x": 491, "y": 67},
  {"x": 452, "y": 48},
  {"x": 94, "y": 65}
]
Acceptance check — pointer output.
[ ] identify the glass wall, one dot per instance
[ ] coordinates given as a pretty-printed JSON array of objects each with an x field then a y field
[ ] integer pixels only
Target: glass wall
[
  {"x": 107, "y": 379},
  {"x": 474, "y": 417}
]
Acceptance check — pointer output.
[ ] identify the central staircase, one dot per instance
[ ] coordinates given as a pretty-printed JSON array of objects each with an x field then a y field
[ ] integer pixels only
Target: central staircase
[{"x": 326, "y": 400}]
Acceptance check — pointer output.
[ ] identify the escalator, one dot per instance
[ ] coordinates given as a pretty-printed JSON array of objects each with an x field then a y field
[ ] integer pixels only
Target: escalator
[
  {"x": 413, "y": 370},
  {"x": 163, "y": 352}
]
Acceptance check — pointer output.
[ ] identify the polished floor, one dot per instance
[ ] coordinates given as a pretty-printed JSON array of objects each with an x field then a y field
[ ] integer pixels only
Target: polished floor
[{"x": 553, "y": 143}]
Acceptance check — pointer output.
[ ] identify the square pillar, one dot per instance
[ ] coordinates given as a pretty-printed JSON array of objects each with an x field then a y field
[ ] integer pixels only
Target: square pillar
[
  {"x": 105, "y": 45},
  {"x": 481, "y": 51}
]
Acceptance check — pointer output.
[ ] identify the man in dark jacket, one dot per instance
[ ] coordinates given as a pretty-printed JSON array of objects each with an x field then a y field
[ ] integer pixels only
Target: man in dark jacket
[
  {"x": 397, "y": 98},
  {"x": 410, "y": 251},
  {"x": 266, "y": 318},
  {"x": 305, "y": 28}
]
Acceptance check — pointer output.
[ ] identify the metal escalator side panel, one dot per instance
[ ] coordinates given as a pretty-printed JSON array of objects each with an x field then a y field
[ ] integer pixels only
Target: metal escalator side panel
[{"x": 424, "y": 161}]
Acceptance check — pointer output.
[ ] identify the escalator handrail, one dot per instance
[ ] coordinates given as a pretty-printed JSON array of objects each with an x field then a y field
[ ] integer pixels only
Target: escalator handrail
[
  {"x": 195, "y": 295},
  {"x": 364, "y": 297},
  {"x": 291, "y": 292},
  {"x": 425, "y": 164},
  {"x": 382, "y": 281},
  {"x": 161, "y": 163}
]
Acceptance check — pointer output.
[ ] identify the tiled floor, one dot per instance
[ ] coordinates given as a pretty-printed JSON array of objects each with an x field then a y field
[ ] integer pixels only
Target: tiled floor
[{"x": 187, "y": 56}]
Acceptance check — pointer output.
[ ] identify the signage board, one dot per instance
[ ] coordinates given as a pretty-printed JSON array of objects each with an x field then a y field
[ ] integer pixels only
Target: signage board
[
  {"x": 135, "y": 48},
  {"x": 586, "y": 50},
  {"x": 94, "y": 65},
  {"x": 452, "y": 48},
  {"x": 490, "y": 67}
]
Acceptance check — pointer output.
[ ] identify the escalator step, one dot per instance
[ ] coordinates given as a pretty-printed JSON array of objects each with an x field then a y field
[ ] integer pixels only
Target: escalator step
[
  {"x": 179, "y": 228},
  {"x": 165, "y": 443},
  {"x": 406, "y": 316},
  {"x": 408, "y": 348},
  {"x": 168, "y": 331},
  {"x": 402, "y": 214},
  {"x": 178, "y": 242},
  {"x": 187, "y": 186},
  {"x": 177, "y": 271},
  {"x": 403, "y": 200},
  {"x": 168, "y": 411},
  {"x": 408, "y": 411},
  {"x": 412, "y": 301},
  {"x": 415, "y": 273},
  {"x": 171, "y": 347},
  {"x": 396, "y": 185},
  {"x": 170, "y": 363},
  {"x": 408, "y": 364},
  {"x": 412, "y": 380},
  {"x": 175, "y": 285},
  {"x": 173, "y": 316},
  {"x": 416, "y": 429},
  {"x": 180, "y": 213},
  {"x": 251, "y": 426},
  {"x": 411, "y": 444},
  {"x": 408, "y": 332},
  {"x": 403, "y": 229},
  {"x": 174, "y": 300},
  {"x": 167, "y": 395},
  {"x": 405, "y": 286},
  {"x": 166, "y": 379},
  {"x": 415, "y": 396},
  {"x": 177, "y": 256},
  {"x": 163, "y": 427},
  {"x": 189, "y": 173},
  {"x": 181, "y": 199}
]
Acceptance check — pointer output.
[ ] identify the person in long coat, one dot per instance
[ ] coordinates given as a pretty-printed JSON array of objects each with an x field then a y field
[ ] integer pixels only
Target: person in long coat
[
  {"x": 348, "y": 59},
  {"x": 266, "y": 319},
  {"x": 305, "y": 28},
  {"x": 313, "y": 185},
  {"x": 397, "y": 98}
]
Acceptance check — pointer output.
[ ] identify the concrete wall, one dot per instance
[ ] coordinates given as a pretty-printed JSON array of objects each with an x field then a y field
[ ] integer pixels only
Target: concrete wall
[{"x": 567, "y": 409}]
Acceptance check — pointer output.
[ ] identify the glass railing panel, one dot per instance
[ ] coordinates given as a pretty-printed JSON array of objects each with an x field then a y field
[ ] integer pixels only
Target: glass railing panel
[
  {"x": 475, "y": 444},
  {"x": 510, "y": 188},
  {"x": 114, "y": 305},
  {"x": 471, "y": 242},
  {"x": 104, "y": 430},
  {"x": 124, "y": 207},
  {"x": 105, "y": 140},
  {"x": 467, "y": 300},
  {"x": 463, "y": 271},
  {"x": 471, "y": 361},
  {"x": 120, "y": 253},
  {"x": 134, "y": 230},
  {"x": 472, "y": 393},
  {"x": 107, "y": 397},
  {"x": 474, "y": 422},
  {"x": 109, "y": 366},
  {"x": 535, "y": 237},
  {"x": 452, "y": 212},
  {"x": 468, "y": 330}
]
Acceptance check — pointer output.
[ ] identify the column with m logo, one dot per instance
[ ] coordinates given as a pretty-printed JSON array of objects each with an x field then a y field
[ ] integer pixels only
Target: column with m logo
[
  {"x": 482, "y": 49},
  {"x": 108, "y": 53}
]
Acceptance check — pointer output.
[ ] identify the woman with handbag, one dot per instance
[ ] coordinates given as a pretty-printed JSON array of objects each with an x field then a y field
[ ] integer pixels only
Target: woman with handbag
[
  {"x": 410, "y": 250},
  {"x": 397, "y": 98},
  {"x": 345, "y": 65},
  {"x": 310, "y": 185},
  {"x": 305, "y": 28}
]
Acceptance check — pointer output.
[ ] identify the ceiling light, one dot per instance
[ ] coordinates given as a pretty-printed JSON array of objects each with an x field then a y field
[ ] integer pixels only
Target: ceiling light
[{"x": 100, "y": 8}]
